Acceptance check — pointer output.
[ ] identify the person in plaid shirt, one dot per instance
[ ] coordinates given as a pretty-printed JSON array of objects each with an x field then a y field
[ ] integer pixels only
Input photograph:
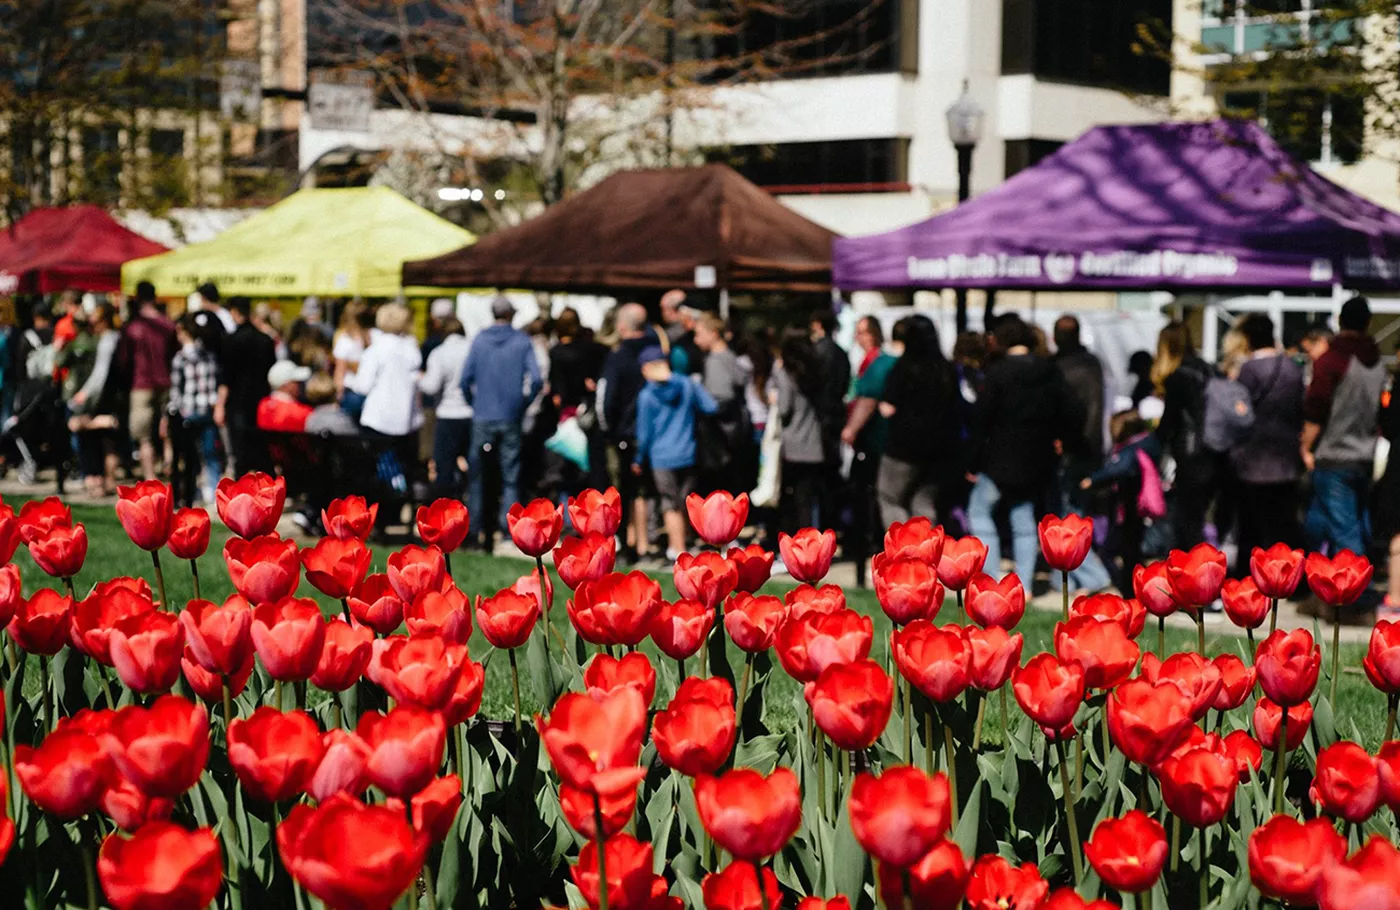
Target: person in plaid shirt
[{"x": 189, "y": 423}]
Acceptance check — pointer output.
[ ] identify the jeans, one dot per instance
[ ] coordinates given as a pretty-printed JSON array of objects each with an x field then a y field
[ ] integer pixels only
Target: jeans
[
  {"x": 503, "y": 437},
  {"x": 1339, "y": 501},
  {"x": 1092, "y": 574},
  {"x": 196, "y": 441},
  {"x": 451, "y": 438},
  {"x": 1025, "y": 539}
]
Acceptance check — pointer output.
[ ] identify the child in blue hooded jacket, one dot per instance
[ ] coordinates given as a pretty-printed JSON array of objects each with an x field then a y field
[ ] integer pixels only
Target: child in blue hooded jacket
[{"x": 666, "y": 438}]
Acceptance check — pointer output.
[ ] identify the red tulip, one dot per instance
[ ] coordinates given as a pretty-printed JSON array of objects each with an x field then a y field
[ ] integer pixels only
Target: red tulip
[
  {"x": 161, "y": 867},
  {"x": 1288, "y": 664},
  {"x": 41, "y": 623},
  {"x": 994, "y": 655},
  {"x": 1246, "y": 751},
  {"x": 594, "y": 745},
  {"x": 1100, "y": 646},
  {"x": 1244, "y": 603},
  {"x": 809, "y": 644},
  {"x": 996, "y": 603},
  {"x": 719, "y": 517},
  {"x": 219, "y": 638},
  {"x": 937, "y": 661},
  {"x": 251, "y": 505},
  {"x": 960, "y": 561},
  {"x": 1369, "y": 878},
  {"x": 209, "y": 687},
  {"x": 69, "y": 771},
  {"x": 918, "y": 538},
  {"x": 628, "y": 863},
  {"x": 38, "y": 517},
  {"x": 616, "y": 609},
  {"x": 1287, "y": 857},
  {"x": 288, "y": 636},
  {"x": 377, "y": 605},
  {"x": 11, "y": 593},
  {"x": 345, "y": 654},
  {"x": 434, "y": 807},
  {"x": 606, "y": 674},
  {"x": 274, "y": 754},
  {"x": 736, "y": 887},
  {"x": 1347, "y": 783},
  {"x": 1066, "y": 541},
  {"x": 421, "y": 672},
  {"x": 405, "y": 748},
  {"x": 465, "y": 699},
  {"x": 587, "y": 558},
  {"x": 851, "y": 703},
  {"x": 935, "y": 882},
  {"x": 578, "y": 808},
  {"x": 821, "y": 903},
  {"x": 129, "y": 808},
  {"x": 1125, "y": 611},
  {"x": 753, "y": 564},
  {"x": 750, "y": 815},
  {"x": 506, "y": 618},
  {"x": 1198, "y": 785},
  {"x": 336, "y": 567},
  {"x": 995, "y": 884},
  {"x": 1382, "y": 660},
  {"x": 1388, "y": 761},
  {"x": 1269, "y": 716},
  {"x": 61, "y": 552},
  {"x": 1153, "y": 589},
  {"x": 350, "y": 517},
  {"x": 1277, "y": 570},
  {"x": 189, "y": 533},
  {"x": 907, "y": 588},
  {"x": 696, "y": 731},
  {"x": 805, "y": 599},
  {"x": 1236, "y": 682},
  {"x": 682, "y": 628},
  {"x": 161, "y": 749},
  {"x": 1197, "y": 678},
  {"x": 899, "y": 816},
  {"x": 1128, "y": 853},
  {"x": 95, "y": 617},
  {"x": 807, "y": 554},
  {"x": 535, "y": 528},
  {"x": 706, "y": 577},
  {"x": 595, "y": 512},
  {"x": 415, "y": 570},
  {"x": 530, "y": 584},
  {"x": 443, "y": 524},
  {"x": 343, "y": 767},
  {"x": 145, "y": 513},
  {"x": 1196, "y": 576},
  {"x": 752, "y": 621},
  {"x": 447, "y": 613},
  {"x": 1069, "y": 899},
  {"x": 1338, "y": 581},
  {"x": 351, "y": 855},
  {"x": 1048, "y": 690},
  {"x": 264, "y": 569},
  {"x": 146, "y": 651},
  {"x": 9, "y": 533},
  {"x": 1148, "y": 720}
]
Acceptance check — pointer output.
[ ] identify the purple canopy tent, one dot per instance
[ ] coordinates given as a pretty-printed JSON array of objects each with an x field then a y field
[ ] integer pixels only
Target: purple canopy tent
[{"x": 1171, "y": 206}]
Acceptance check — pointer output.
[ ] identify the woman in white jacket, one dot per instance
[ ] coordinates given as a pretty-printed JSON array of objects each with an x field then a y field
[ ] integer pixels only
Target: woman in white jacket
[
  {"x": 452, "y": 432},
  {"x": 388, "y": 376}
]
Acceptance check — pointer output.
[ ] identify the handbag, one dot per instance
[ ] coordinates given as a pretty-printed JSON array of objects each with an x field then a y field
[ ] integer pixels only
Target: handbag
[{"x": 770, "y": 463}]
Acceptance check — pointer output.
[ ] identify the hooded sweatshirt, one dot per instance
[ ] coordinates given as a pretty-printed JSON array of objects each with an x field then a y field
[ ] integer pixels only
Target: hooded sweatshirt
[
  {"x": 501, "y": 376},
  {"x": 666, "y": 422},
  {"x": 388, "y": 378}
]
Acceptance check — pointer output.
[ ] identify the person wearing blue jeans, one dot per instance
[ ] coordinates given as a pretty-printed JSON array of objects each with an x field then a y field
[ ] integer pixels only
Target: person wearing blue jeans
[
  {"x": 1025, "y": 540},
  {"x": 1338, "y": 508},
  {"x": 502, "y": 438}
]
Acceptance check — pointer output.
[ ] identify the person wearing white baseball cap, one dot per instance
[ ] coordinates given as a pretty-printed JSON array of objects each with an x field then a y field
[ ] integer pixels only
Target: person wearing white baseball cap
[{"x": 283, "y": 411}]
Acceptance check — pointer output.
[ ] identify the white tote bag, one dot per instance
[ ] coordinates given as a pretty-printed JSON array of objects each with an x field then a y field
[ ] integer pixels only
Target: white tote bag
[{"x": 770, "y": 462}]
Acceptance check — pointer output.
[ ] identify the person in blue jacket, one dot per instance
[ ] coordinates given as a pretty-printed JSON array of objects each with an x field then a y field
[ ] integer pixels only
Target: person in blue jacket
[{"x": 666, "y": 411}]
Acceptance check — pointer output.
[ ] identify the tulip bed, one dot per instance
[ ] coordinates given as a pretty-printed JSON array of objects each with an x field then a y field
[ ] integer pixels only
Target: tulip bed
[{"x": 740, "y": 745}]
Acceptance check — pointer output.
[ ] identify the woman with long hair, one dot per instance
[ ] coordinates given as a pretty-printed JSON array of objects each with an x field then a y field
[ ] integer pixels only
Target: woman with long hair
[
  {"x": 798, "y": 384},
  {"x": 920, "y": 403},
  {"x": 1179, "y": 377},
  {"x": 352, "y": 336}
]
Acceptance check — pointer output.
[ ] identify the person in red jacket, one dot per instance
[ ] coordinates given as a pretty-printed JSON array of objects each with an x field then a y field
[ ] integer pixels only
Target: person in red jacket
[{"x": 283, "y": 411}]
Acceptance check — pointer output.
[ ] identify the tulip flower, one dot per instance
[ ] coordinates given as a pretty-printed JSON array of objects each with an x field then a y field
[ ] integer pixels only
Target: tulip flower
[
  {"x": 351, "y": 517},
  {"x": 1100, "y": 646},
  {"x": 1197, "y": 678},
  {"x": 1069, "y": 899},
  {"x": 994, "y": 655},
  {"x": 345, "y": 654},
  {"x": 288, "y": 636},
  {"x": 1341, "y": 580},
  {"x": 1049, "y": 690},
  {"x": 1198, "y": 785},
  {"x": 343, "y": 767},
  {"x": 1066, "y": 541},
  {"x": 535, "y": 527},
  {"x": 38, "y": 517},
  {"x": 336, "y": 567},
  {"x": 210, "y": 687},
  {"x": 617, "y": 810},
  {"x": 161, "y": 866},
  {"x": 819, "y": 903},
  {"x": 274, "y": 754},
  {"x": 748, "y": 814},
  {"x": 1276, "y": 571},
  {"x": 719, "y": 517},
  {"x": 628, "y": 864},
  {"x": 807, "y": 554},
  {"x": 263, "y": 569},
  {"x": 1370, "y": 877},
  {"x": 996, "y": 603},
  {"x": 907, "y": 588},
  {"x": 406, "y": 748},
  {"x": 349, "y": 854},
  {"x": 251, "y": 505},
  {"x": 129, "y": 808},
  {"x": 753, "y": 564},
  {"x": 808, "y": 644},
  {"x": 415, "y": 570},
  {"x": 11, "y": 592},
  {"x": 752, "y": 621},
  {"x": 900, "y": 815},
  {"x": 443, "y": 524},
  {"x": 994, "y": 884},
  {"x": 70, "y": 770},
  {"x": 1125, "y": 611},
  {"x": 917, "y": 538},
  {"x": 1268, "y": 718},
  {"x": 596, "y": 513},
  {"x": 1288, "y": 665},
  {"x": 682, "y": 628},
  {"x": 960, "y": 561},
  {"x": 594, "y": 745},
  {"x": 805, "y": 599},
  {"x": 1286, "y": 857},
  {"x": 95, "y": 617},
  {"x": 1388, "y": 763},
  {"x": 695, "y": 733},
  {"x": 376, "y": 604},
  {"x": 1245, "y": 605},
  {"x": 145, "y": 513},
  {"x": 935, "y": 882},
  {"x": 1153, "y": 589},
  {"x": 434, "y": 808},
  {"x": 936, "y": 661},
  {"x": 146, "y": 651},
  {"x": 586, "y": 558},
  {"x": 605, "y": 674},
  {"x": 446, "y": 613},
  {"x": 1347, "y": 782},
  {"x": 161, "y": 749},
  {"x": 706, "y": 577},
  {"x": 421, "y": 672},
  {"x": 465, "y": 699},
  {"x": 616, "y": 609},
  {"x": 1196, "y": 576},
  {"x": 1236, "y": 682},
  {"x": 851, "y": 703},
  {"x": 1128, "y": 853},
  {"x": 60, "y": 553},
  {"x": 737, "y": 887},
  {"x": 40, "y": 625},
  {"x": 1382, "y": 660},
  {"x": 1246, "y": 751},
  {"x": 9, "y": 533},
  {"x": 1148, "y": 720},
  {"x": 220, "y": 638},
  {"x": 507, "y": 618},
  {"x": 189, "y": 533}
]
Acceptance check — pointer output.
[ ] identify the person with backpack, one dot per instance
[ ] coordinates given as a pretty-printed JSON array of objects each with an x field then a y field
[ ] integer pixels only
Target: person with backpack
[
  {"x": 1130, "y": 475},
  {"x": 1179, "y": 377}
]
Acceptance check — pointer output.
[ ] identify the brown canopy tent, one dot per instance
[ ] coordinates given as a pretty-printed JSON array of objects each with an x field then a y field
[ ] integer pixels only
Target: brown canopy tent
[{"x": 656, "y": 229}]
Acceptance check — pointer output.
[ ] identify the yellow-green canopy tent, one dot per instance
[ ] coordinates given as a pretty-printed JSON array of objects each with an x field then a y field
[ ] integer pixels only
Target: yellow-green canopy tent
[{"x": 329, "y": 242}]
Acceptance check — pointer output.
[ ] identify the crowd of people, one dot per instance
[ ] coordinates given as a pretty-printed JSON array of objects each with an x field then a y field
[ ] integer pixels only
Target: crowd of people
[{"x": 1269, "y": 444}]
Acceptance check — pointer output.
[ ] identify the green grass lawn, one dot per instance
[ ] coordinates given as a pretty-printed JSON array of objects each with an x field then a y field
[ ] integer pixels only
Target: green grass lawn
[{"x": 110, "y": 554}]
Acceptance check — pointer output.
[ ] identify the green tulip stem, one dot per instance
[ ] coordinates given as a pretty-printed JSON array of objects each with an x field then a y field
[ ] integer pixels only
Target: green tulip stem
[
  {"x": 1205, "y": 868},
  {"x": 1176, "y": 843},
  {"x": 680, "y": 669},
  {"x": 928, "y": 739},
  {"x": 337, "y": 713},
  {"x": 345, "y": 609},
  {"x": 952, "y": 770},
  {"x": 299, "y": 689},
  {"x": 277, "y": 694},
  {"x": 11, "y": 655},
  {"x": 602, "y": 854},
  {"x": 1280, "y": 761},
  {"x": 1130, "y": 900},
  {"x": 821, "y": 773},
  {"x": 1064, "y": 592},
  {"x": 1249, "y": 633},
  {"x": 1005, "y": 719},
  {"x": 1336, "y": 654},
  {"x": 194, "y": 574},
  {"x": 72, "y": 591},
  {"x": 1393, "y": 701},
  {"x": 106, "y": 686},
  {"x": 89, "y": 869},
  {"x": 44, "y": 693},
  {"x": 1070, "y": 823},
  {"x": 1078, "y": 764},
  {"x": 544, "y": 615},
  {"x": 1273, "y": 615},
  {"x": 762, "y": 891},
  {"x": 1201, "y": 631},
  {"x": 961, "y": 614},
  {"x": 744, "y": 687},
  {"x": 429, "y": 896},
  {"x": 160, "y": 580},
  {"x": 1161, "y": 636},
  {"x": 907, "y": 694},
  {"x": 981, "y": 714},
  {"x": 228, "y": 703},
  {"x": 515, "y": 689}
]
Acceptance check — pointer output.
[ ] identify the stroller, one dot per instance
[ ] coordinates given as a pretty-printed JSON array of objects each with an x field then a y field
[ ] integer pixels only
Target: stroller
[{"x": 37, "y": 431}]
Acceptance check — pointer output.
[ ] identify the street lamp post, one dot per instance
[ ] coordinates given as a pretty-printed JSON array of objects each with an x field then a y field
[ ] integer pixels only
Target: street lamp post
[{"x": 965, "y": 118}]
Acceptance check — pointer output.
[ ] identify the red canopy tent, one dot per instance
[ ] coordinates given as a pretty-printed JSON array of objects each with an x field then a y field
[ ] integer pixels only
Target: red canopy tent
[{"x": 78, "y": 248}]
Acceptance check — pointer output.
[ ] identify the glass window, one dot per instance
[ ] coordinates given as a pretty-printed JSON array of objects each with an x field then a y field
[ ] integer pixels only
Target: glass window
[
  {"x": 1090, "y": 42},
  {"x": 854, "y": 165}
]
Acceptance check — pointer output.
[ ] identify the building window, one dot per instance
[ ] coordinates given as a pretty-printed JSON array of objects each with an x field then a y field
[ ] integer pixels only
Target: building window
[
  {"x": 102, "y": 164},
  {"x": 844, "y": 166},
  {"x": 1024, "y": 153},
  {"x": 1089, "y": 42},
  {"x": 167, "y": 144},
  {"x": 1311, "y": 124}
]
